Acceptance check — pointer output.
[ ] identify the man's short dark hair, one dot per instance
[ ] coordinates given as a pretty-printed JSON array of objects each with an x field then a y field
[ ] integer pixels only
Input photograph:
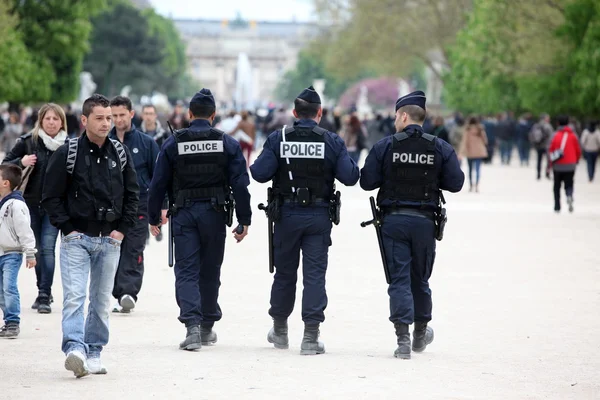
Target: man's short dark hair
[
  {"x": 12, "y": 174},
  {"x": 563, "y": 120},
  {"x": 416, "y": 113},
  {"x": 148, "y": 106},
  {"x": 203, "y": 111},
  {"x": 121, "y": 101},
  {"x": 306, "y": 110},
  {"x": 94, "y": 101}
]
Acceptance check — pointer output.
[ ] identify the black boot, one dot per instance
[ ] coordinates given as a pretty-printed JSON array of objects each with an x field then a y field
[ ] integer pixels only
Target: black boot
[
  {"x": 192, "y": 340},
  {"x": 36, "y": 303},
  {"x": 278, "y": 335},
  {"x": 403, "y": 350},
  {"x": 422, "y": 336},
  {"x": 207, "y": 335},
  {"x": 310, "y": 342},
  {"x": 44, "y": 304}
]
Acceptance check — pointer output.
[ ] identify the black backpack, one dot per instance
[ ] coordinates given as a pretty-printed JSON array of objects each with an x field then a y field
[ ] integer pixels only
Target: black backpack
[{"x": 72, "y": 154}]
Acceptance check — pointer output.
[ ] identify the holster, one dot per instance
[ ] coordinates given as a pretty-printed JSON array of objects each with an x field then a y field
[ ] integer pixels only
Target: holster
[
  {"x": 335, "y": 206},
  {"x": 440, "y": 223},
  {"x": 274, "y": 207},
  {"x": 229, "y": 207}
]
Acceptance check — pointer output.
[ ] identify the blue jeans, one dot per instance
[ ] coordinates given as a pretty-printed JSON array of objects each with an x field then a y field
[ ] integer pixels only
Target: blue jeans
[
  {"x": 82, "y": 256},
  {"x": 474, "y": 164},
  {"x": 591, "y": 157},
  {"x": 524, "y": 148},
  {"x": 45, "y": 239},
  {"x": 506, "y": 147},
  {"x": 10, "y": 302}
]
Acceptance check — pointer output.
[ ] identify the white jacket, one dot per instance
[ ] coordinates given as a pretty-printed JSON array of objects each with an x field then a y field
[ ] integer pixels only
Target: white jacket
[{"x": 16, "y": 235}]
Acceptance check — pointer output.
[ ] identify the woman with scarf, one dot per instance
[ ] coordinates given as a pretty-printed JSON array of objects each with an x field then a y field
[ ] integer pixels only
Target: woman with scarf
[{"x": 32, "y": 152}]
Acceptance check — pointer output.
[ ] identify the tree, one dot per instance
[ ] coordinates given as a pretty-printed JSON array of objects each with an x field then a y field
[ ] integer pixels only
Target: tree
[
  {"x": 174, "y": 64},
  {"x": 539, "y": 56},
  {"x": 55, "y": 33},
  {"x": 311, "y": 66},
  {"x": 138, "y": 48},
  {"x": 123, "y": 52},
  {"x": 16, "y": 64},
  {"x": 387, "y": 35}
]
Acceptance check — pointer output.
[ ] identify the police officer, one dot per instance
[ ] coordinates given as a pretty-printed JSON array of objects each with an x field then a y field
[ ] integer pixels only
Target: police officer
[
  {"x": 410, "y": 168},
  {"x": 144, "y": 150},
  {"x": 303, "y": 162},
  {"x": 199, "y": 167}
]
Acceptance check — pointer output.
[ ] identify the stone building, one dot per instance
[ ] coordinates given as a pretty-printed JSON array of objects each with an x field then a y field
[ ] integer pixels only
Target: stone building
[{"x": 241, "y": 61}]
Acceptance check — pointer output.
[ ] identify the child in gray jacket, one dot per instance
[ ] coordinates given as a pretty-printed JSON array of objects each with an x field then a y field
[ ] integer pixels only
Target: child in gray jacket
[{"x": 16, "y": 238}]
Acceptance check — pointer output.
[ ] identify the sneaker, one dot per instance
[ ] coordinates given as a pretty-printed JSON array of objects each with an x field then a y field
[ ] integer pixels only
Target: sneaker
[
  {"x": 96, "y": 367},
  {"x": 570, "y": 203},
  {"x": 117, "y": 308},
  {"x": 44, "y": 304},
  {"x": 127, "y": 303},
  {"x": 76, "y": 363},
  {"x": 10, "y": 331}
]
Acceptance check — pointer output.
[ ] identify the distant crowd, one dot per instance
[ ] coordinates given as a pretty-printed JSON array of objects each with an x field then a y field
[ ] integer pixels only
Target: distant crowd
[{"x": 476, "y": 139}]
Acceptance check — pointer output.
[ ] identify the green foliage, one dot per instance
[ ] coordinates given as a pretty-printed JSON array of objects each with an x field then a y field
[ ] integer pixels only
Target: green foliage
[
  {"x": 310, "y": 66},
  {"x": 175, "y": 60},
  {"x": 122, "y": 50},
  {"x": 387, "y": 36},
  {"x": 42, "y": 44},
  {"x": 15, "y": 61},
  {"x": 538, "y": 56},
  {"x": 137, "y": 48},
  {"x": 55, "y": 33}
]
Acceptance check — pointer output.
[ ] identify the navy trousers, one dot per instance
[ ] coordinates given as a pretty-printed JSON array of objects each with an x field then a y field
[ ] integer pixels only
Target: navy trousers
[
  {"x": 199, "y": 234},
  {"x": 409, "y": 243},
  {"x": 307, "y": 229},
  {"x": 130, "y": 273}
]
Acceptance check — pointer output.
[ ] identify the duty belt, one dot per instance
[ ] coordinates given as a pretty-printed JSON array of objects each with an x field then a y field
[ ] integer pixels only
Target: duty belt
[
  {"x": 313, "y": 200},
  {"x": 409, "y": 211}
]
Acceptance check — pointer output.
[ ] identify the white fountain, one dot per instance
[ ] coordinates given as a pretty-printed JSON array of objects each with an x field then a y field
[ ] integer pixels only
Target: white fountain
[{"x": 243, "y": 84}]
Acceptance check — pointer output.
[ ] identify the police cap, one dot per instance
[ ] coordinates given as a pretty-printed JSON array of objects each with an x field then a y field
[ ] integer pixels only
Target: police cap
[
  {"x": 412, "y": 99},
  {"x": 204, "y": 97},
  {"x": 310, "y": 95}
]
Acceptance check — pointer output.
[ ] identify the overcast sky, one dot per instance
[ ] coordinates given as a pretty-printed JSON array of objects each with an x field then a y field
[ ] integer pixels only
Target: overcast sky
[{"x": 266, "y": 10}]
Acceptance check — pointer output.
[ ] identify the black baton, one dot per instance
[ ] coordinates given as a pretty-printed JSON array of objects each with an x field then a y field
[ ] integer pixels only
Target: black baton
[{"x": 377, "y": 222}]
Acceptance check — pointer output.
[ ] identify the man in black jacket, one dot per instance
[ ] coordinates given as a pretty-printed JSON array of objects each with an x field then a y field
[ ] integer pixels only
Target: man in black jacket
[
  {"x": 144, "y": 151},
  {"x": 91, "y": 194}
]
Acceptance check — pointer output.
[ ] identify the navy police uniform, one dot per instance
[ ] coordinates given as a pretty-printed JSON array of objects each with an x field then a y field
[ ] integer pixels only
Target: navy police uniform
[
  {"x": 199, "y": 167},
  {"x": 410, "y": 169},
  {"x": 129, "y": 276},
  {"x": 303, "y": 158}
]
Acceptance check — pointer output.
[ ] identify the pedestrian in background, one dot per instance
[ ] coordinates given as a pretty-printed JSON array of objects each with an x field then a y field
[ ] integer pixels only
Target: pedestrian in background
[{"x": 474, "y": 148}]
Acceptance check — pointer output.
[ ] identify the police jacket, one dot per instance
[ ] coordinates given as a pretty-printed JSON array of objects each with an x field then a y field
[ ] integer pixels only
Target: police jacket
[
  {"x": 143, "y": 150},
  {"x": 97, "y": 181},
  {"x": 410, "y": 168},
  {"x": 26, "y": 145},
  {"x": 199, "y": 163},
  {"x": 316, "y": 158}
]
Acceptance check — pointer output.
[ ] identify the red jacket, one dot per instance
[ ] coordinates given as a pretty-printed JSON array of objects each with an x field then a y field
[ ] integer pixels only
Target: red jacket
[{"x": 572, "y": 150}]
